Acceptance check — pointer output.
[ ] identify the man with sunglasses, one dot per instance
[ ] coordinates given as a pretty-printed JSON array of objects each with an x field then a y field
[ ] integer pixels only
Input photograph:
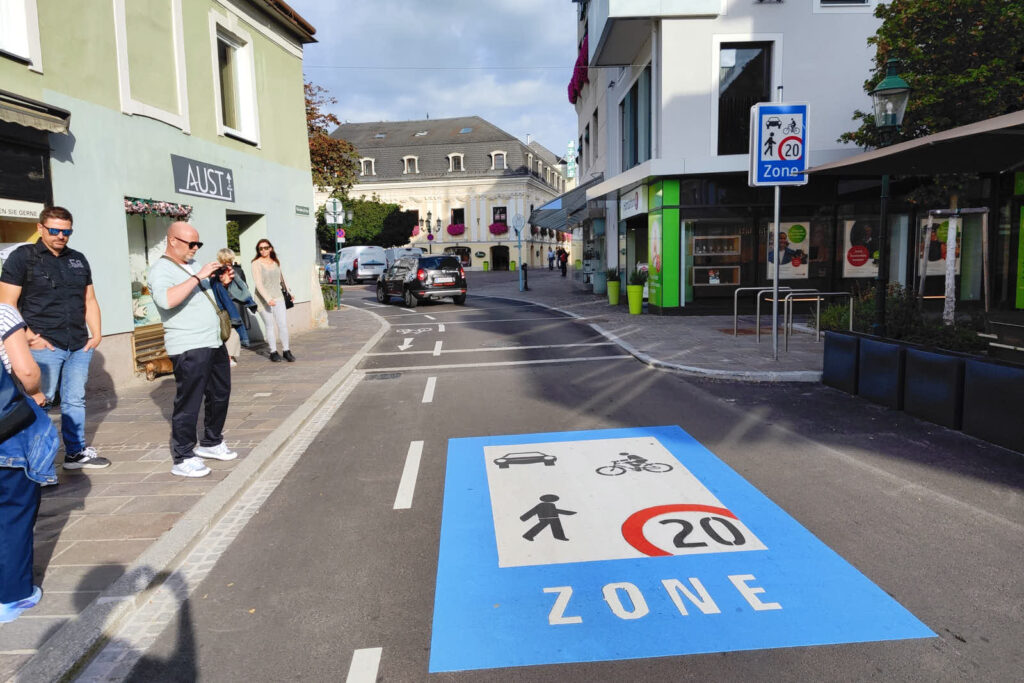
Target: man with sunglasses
[
  {"x": 182, "y": 293},
  {"x": 51, "y": 284}
]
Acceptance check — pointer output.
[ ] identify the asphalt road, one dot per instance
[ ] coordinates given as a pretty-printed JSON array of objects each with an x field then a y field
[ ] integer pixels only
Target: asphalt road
[{"x": 330, "y": 567}]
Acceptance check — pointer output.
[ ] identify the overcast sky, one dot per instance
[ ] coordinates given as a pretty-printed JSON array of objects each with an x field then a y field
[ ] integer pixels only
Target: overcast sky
[{"x": 508, "y": 61}]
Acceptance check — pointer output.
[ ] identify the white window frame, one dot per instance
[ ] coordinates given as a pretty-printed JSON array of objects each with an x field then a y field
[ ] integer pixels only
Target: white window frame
[
  {"x": 494, "y": 160},
  {"x": 406, "y": 165},
  {"x": 716, "y": 51},
  {"x": 27, "y": 20},
  {"x": 230, "y": 29},
  {"x": 129, "y": 105},
  {"x": 846, "y": 7},
  {"x": 362, "y": 166},
  {"x": 451, "y": 162}
]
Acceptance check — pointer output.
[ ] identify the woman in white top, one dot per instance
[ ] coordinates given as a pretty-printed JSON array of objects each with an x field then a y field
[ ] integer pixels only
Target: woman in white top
[{"x": 270, "y": 287}]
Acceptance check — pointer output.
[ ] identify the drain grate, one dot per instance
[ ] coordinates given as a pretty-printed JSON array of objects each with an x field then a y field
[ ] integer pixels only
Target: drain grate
[{"x": 383, "y": 375}]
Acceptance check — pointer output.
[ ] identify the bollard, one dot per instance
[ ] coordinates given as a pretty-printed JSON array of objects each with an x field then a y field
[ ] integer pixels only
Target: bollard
[{"x": 526, "y": 278}]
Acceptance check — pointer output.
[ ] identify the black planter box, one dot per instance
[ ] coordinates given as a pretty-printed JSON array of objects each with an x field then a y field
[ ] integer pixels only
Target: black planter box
[
  {"x": 880, "y": 372},
  {"x": 839, "y": 367},
  {"x": 993, "y": 396},
  {"x": 933, "y": 387}
]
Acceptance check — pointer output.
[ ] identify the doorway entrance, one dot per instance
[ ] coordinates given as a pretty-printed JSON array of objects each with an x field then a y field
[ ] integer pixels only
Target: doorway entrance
[{"x": 499, "y": 258}]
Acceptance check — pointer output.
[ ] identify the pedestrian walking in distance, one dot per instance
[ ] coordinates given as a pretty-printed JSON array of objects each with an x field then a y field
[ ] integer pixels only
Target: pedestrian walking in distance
[
  {"x": 551, "y": 258},
  {"x": 28, "y": 444},
  {"x": 202, "y": 373},
  {"x": 271, "y": 291},
  {"x": 51, "y": 285}
]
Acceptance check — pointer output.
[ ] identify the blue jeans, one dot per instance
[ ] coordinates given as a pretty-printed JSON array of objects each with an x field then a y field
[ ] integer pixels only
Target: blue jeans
[{"x": 71, "y": 370}]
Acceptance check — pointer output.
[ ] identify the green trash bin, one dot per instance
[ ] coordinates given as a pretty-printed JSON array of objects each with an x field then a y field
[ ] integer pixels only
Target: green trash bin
[
  {"x": 511, "y": 265},
  {"x": 487, "y": 265}
]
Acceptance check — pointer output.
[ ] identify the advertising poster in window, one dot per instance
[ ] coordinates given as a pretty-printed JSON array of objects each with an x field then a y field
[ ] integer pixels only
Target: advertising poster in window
[
  {"x": 935, "y": 244},
  {"x": 654, "y": 279},
  {"x": 860, "y": 249},
  {"x": 793, "y": 249}
]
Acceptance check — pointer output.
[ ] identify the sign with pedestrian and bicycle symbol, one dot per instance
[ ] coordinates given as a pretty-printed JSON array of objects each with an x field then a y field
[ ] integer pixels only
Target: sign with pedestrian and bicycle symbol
[
  {"x": 630, "y": 543},
  {"x": 778, "y": 137}
]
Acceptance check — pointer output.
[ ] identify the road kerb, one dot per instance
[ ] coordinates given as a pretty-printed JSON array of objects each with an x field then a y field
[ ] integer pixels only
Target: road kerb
[{"x": 71, "y": 645}]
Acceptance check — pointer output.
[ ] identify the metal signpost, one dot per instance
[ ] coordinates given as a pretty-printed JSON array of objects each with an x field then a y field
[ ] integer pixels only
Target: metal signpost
[
  {"x": 778, "y": 156},
  {"x": 334, "y": 214},
  {"x": 517, "y": 225}
]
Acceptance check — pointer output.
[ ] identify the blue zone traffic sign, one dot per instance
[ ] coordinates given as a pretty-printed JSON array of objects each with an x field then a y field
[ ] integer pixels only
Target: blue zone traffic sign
[
  {"x": 778, "y": 149},
  {"x": 630, "y": 543}
]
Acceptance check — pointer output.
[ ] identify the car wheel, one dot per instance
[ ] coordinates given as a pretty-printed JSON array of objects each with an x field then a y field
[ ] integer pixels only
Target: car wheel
[
  {"x": 410, "y": 300},
  {"x": 350, "y": 278},
  {"x": 381, "y": 296},
  {"x": 459, "y": 300}
]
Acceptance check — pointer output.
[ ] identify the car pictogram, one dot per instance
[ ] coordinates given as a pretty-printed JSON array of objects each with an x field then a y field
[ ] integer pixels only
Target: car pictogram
[
  {"x": 525, "y": 458},
  {"x": 773, "y": 122}
]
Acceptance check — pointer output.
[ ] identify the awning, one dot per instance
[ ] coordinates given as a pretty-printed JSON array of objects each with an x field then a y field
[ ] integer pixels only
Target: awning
[
  {"x": 33, "y": 114},
  {"x": 571, "y": 202},
  {"x": 995, "y": 145}
]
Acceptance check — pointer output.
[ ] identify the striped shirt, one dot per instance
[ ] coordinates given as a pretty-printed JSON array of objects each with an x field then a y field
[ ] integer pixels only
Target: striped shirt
[{"x": 10, "y": 322}]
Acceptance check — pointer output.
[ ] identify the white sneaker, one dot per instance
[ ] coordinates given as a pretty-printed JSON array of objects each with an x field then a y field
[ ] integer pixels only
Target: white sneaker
[
  {"x": 218, "y": 452},
  {"x": 191, "y": 467}
]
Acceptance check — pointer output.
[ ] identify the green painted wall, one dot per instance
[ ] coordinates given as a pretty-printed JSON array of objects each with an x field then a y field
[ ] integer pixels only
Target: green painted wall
[
  {"x": 150, "y": 29},
  {"x": 663, "y": 243}
]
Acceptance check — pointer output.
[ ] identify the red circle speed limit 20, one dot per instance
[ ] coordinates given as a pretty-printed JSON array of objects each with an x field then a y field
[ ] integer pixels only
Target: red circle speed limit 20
[{"x": 791, "y": 148}]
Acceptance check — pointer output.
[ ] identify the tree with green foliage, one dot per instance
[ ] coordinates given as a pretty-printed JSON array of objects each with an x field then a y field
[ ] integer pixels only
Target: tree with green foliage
[
  {"x": 963, "y": 59},
  {"x": 334, "y": 162},
  {"x": 373, "y": 222}
]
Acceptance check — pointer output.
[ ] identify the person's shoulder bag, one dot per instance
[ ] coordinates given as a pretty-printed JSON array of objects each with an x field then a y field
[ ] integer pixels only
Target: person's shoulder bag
[
  {"x": 285, "y": 294},
  {"x": 222, "y": 315},
  {"x": 15, "y": 412}
]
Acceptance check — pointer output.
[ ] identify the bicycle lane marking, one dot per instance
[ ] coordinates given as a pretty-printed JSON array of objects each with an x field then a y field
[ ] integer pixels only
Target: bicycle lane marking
[{"x": 630, "y": 543}]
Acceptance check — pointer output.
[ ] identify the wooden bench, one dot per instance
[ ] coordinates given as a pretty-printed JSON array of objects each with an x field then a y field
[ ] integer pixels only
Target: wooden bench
[{"x": 148, "y": 350}]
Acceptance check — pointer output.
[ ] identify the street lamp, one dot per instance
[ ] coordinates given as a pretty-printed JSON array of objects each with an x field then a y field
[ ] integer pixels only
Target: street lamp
[
  {"x": 890, "y": 99},
  {"x": 430, "y": 228}
]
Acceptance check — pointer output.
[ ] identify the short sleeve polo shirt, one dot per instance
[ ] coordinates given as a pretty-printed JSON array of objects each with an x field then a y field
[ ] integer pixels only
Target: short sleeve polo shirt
[{"x": 53, "y": 288}]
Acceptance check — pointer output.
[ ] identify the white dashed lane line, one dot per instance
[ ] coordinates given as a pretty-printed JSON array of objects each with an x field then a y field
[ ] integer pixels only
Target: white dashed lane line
[
  {"x": 428, "y": 391},
  {"x": 407, "y": 485},
  {"x": 364, "y": 666}
]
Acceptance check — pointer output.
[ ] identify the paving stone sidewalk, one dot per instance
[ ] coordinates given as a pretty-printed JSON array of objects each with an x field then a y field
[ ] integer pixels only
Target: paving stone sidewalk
[
  {"x": 95, "y": 523},
  {"x": 701, "y": 345}
]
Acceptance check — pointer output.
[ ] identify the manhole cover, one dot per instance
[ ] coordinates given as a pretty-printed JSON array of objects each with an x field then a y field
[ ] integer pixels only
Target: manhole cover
[{"x": 384, "y": 375}]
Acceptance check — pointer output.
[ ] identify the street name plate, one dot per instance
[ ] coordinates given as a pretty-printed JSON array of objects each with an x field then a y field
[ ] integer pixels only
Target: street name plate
[{"x": 625, "y": 544}]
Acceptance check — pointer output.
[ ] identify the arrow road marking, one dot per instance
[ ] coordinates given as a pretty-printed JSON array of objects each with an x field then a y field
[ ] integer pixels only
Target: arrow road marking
[
  {"x": 407, "y": 485},
  {"x": 364, "y": 666},
  {"x": 437, "y": 348},
  {"x": 428, "y": 391},
  {"x": 405, "y": 344},
  {"x": 429, "y": 317},
  {"x": 440, "y": 327}
]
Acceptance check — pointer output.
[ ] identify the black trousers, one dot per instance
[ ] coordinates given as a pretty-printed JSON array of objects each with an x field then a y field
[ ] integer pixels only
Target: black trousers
[
  {"x": 19, "y": 505},
  {"x": 199, "y": 374}
]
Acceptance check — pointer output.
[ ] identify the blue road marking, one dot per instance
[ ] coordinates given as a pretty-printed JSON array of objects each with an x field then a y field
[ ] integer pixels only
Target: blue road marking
[{"x": 746, "y": 575}]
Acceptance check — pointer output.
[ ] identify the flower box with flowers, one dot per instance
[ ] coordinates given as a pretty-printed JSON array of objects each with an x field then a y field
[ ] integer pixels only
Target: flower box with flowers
[
  {"x": 456, "y": 229},
  {"x": 498, "y": 228},
  {"x": 415, "y": 231}
]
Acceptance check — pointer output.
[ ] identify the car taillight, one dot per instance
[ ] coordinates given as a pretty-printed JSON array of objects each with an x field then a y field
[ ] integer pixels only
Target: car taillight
[
  {"x": 462, "y": 273},
  {"x": 421, "y": 275},
  {"x": 355, "y": 264}
]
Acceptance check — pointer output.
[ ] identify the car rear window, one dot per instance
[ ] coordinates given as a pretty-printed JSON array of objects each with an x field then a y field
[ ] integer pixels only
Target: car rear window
[{"x": 439, "y": 263}]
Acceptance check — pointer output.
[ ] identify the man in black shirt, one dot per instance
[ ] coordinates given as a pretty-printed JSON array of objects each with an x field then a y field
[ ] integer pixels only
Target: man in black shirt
[{"x": 52, "y": 287}]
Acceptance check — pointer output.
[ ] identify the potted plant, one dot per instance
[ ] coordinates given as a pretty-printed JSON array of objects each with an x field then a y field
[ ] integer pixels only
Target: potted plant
[
  {"x": 612, "y": 274},
  {"x": 635, "y": 291}
]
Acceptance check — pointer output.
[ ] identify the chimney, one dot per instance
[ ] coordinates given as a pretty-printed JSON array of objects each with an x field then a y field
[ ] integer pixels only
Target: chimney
[{"x": 529, "y": 138}]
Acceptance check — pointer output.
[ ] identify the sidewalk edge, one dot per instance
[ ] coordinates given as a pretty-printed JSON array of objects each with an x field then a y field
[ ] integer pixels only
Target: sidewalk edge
[
  {"x": 74, "y": 642},
  {"x": 707, "y": 373}
]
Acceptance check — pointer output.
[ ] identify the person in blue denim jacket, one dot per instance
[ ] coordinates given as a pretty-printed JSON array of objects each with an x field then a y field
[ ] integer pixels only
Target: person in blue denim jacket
[
  {"x": 233, "y": 297},
  {"x": 26, "y": 464}
]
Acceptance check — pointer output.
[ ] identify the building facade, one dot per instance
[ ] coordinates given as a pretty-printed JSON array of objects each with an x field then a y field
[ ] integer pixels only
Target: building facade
[
  {"x": 135, "y": 114},
  {"x": 663, "y": 98},
  {"x": 466, "y": 179}
]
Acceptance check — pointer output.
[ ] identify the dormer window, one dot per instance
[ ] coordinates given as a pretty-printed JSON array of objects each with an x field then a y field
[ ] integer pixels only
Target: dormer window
[
  {"x": 421, "y": 133},
  {"x": 498, "y": 161},
  {"x": 455, "y": 162},
  {"x": 367, "y": 167},
  {"x": 529, "y": 163},
  {"x": 380, "y": 136},
  {"x": 412, "y": 165}
]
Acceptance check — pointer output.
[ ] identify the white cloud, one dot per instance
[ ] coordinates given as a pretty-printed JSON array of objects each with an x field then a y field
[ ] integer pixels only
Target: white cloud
[{"x": 508, "y": 61}]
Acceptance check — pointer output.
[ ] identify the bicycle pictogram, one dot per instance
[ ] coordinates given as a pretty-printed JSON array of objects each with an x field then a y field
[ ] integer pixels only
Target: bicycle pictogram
[
  {"x": 634, "y": 463},
  {"x": 791, "y": 128}
]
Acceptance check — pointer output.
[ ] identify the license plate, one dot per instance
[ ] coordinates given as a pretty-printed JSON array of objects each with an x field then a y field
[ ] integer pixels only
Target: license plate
[{"x": 444, "y": 280}]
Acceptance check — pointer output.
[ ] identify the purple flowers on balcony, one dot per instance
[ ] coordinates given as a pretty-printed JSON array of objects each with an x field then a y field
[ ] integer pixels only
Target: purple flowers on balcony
[
  {"x": 497, "y": 228},
  {"x": 456, "y": 229},
  {"x": 580, "y": 76}
]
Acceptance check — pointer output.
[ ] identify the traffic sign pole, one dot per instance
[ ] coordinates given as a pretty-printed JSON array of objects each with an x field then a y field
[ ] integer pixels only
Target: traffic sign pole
[{"x": 517, "y": 224}]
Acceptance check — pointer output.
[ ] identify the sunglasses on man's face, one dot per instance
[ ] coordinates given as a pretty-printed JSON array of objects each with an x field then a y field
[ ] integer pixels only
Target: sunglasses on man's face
[
  {"x": 58, "y": 231},
  {"x": 191, "y": 245}
]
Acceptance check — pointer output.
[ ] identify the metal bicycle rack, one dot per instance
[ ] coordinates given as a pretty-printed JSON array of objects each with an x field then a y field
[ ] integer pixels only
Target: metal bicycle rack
[
  {"x": 757, "y": 315},
  {"x": 736, "y": 299},
  {"x": 787, "y": 311}
]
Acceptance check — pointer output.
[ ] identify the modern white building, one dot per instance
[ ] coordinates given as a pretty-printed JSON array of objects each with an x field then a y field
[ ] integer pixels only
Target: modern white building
[{"x": 663, "y": 92}]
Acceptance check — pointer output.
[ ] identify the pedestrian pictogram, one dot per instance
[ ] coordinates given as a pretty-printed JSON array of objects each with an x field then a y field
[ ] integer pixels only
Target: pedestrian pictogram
[
  {"x": 778, "y": 144},
  {"x": 658, "y": 562}
]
